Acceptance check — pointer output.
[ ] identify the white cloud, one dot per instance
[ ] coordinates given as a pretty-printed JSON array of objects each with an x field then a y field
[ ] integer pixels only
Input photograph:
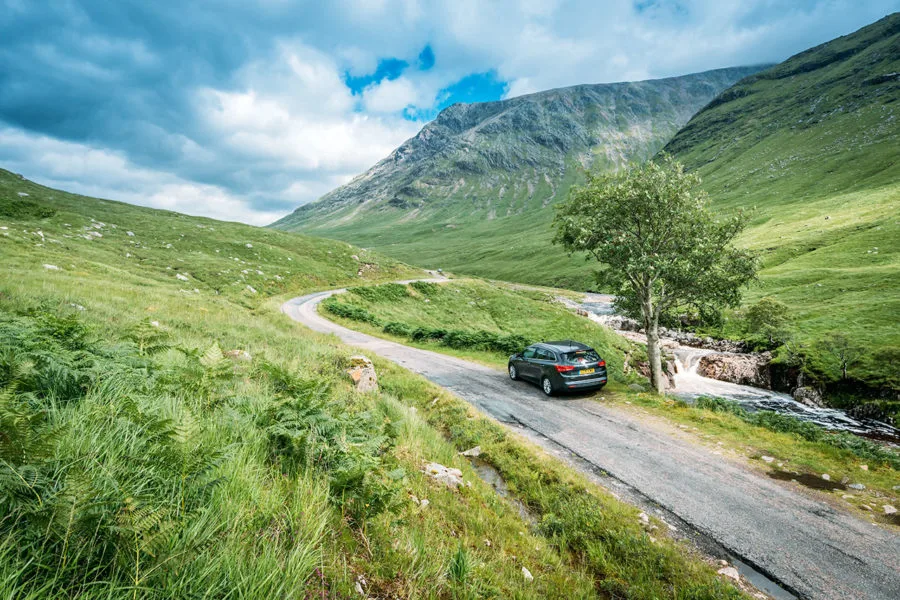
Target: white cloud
[{"x": 90, "y": 171}]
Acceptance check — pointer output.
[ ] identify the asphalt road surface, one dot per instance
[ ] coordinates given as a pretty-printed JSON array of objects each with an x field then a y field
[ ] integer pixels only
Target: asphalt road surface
[{"x": 809, "y": 548}]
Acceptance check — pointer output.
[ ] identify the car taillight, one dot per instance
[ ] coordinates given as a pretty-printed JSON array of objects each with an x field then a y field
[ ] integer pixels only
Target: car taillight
[
  {"x": 564, "y": 368},
  {"x": 602, "y": 363}
]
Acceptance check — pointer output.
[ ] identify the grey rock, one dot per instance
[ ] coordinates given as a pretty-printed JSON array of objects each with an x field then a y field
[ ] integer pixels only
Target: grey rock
[
  {"x": 744, "y": 369},
  {"x": 809, "y": 396},
  {"x": 362, "y": 373},
  {"x": 856, "y": 486}
]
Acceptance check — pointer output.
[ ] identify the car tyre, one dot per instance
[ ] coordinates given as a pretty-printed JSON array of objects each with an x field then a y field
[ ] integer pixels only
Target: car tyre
[
  {"x": 547, "y": 386},
  {"x": 513, "y": 373}
]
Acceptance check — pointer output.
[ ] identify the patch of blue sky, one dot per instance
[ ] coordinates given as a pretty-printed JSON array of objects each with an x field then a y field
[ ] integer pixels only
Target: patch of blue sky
[{"x": 388, "y": 68}]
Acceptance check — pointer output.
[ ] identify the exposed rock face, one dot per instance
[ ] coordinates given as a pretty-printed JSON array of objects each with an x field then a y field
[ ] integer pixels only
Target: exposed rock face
[
  {"x": 744, "y": 369},
  {"x": 809, "y": 396},
  {"x": 362, "y": 372}
]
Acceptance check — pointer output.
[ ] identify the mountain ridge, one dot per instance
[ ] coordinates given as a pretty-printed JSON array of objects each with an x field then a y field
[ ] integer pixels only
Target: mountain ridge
[{"x": 471, "y": 151}]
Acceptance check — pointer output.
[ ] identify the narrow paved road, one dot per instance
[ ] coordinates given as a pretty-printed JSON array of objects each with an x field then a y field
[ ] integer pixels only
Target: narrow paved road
[{"x": 805, "y": 545}]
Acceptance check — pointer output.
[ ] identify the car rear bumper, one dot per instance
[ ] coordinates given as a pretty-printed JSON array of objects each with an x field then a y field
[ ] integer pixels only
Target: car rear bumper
[{"x": 586, "y": 383}]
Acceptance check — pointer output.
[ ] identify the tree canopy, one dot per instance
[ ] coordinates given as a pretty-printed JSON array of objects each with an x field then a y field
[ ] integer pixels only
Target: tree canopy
[{"x": 664, "y": 252}]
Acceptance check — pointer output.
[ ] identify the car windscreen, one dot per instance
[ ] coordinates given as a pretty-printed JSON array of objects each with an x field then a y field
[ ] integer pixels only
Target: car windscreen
[{"x": 581, "y": 356}]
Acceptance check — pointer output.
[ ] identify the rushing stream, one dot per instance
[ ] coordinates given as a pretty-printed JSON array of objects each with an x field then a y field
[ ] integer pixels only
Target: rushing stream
[{"x": 689, "y": 385}]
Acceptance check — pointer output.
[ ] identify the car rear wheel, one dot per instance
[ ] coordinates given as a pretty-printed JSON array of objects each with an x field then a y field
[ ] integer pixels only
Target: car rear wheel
[
  {"x": 547, "y": 386},
  {"x": 513, "y": 373}
]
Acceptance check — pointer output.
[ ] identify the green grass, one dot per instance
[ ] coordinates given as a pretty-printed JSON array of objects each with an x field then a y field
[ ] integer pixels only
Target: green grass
[
  {"x": 139, "y": 461},
  {"x": 490, "y": 320}
]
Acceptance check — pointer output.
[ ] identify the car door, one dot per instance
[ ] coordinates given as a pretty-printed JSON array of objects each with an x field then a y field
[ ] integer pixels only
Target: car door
[
  {"x": 543, "y": 359},
  {"x": 527, "y": 367}
]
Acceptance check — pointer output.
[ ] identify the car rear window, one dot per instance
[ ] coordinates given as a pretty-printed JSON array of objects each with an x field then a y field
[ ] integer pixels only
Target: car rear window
[{"x": 581, "y": 356}]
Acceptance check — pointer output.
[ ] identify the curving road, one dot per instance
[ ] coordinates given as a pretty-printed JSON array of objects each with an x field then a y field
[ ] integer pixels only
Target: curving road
[{"x": 809, "y": 548}]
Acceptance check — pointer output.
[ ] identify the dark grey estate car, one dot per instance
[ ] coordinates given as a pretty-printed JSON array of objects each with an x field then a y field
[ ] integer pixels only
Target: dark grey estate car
[{"x": 559, "y": 366}]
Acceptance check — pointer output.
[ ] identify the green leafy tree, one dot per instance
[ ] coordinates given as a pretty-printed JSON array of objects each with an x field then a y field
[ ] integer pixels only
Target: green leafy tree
[
  {"x": 663, "y": 251},
  {"x": 843, "y": 351},
  {"x": 770, "y": 319}
]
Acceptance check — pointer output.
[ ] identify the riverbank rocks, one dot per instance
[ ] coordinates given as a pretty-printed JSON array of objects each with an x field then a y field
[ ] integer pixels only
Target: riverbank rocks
[
  {"x": 449, "y": 476},
  {"x": 809, "y": 396},
  {"x": 362, "y": 373},
  {"x": 743, "y": 369}
]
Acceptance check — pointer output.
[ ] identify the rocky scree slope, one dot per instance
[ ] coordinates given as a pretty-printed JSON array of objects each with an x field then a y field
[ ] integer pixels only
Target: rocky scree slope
[{"x": 493, "y": 167}]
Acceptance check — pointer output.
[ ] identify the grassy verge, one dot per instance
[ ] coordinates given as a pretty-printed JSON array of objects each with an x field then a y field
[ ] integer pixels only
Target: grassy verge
[
  {"x": 604, "y": 535},
  {"x": 473, "y": 319}
]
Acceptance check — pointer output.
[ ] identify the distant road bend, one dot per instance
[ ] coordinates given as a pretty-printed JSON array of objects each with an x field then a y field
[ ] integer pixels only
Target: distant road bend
[{"x": 805, "y": 545}]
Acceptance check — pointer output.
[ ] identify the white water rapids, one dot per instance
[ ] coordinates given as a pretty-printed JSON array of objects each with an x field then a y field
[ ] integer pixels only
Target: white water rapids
[{"x": 690, "y": 385}]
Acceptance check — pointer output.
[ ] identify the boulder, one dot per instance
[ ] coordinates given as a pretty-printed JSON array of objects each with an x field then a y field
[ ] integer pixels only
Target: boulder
[
  {"x": 743, "y": 369},
  {"x": 809, "y": 396},
  {"x": 449, "y": 476},
  {"x": 362, "y": 372}
]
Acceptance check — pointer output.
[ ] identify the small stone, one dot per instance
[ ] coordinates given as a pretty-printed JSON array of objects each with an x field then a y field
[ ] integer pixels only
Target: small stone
[
  {"x": 154, "y": 323},
  {"x": 363, "y": 374},
  {"x": 889, "y": 510},
  {"x": 527, "y": 574},
  {"x": 450, "y": 477},
  {"x": 487, "y": 543},
  {"x": 865, "y": 507},
  {"x": 472, "y": 452},
  {"x": 239, "y": 355},
  {"x": 424, "y": 503},
  {"x": 251, "y": 289},
  {"x": 248, "y": 245},
  {"x": 643, "y": 518},
  {"x": 51, "y": 267},
  {"x": 129, "y": 233},
  {"x": 181, "y": 277},
  {"x": 864, "y": 467},
  {"x": 848, "y": 496},
  {"x": 856, "y": 486},
  {"x": 826, "y": 476},
  {"x": 730, "y": 572},
  {"x": 768, "y": 459}
]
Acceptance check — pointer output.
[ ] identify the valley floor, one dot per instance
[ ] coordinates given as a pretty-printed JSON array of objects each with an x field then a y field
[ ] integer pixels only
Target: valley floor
[{"x": 803, "y": 543}]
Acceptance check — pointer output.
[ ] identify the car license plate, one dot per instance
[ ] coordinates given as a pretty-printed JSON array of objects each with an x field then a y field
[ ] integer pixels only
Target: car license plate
[{"x": 585, "y": 371}]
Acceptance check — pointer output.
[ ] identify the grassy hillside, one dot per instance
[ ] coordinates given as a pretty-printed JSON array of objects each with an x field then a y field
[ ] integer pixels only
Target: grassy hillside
[
  {"x": 813, "y": 145},
  {"x": 480, "y": 309},
  {"x": 140, "y": 457},
  {"x": 472, "y": 191}
]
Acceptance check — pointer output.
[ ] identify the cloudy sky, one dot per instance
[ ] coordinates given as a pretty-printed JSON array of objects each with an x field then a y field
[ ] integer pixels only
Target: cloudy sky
[{"x": 245, "y": 109}]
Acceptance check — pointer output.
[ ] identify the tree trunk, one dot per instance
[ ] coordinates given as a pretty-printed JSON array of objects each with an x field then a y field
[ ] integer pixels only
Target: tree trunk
[
  {"x": 655, "y": 357},
  {"x": 651, "y": 328}
]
